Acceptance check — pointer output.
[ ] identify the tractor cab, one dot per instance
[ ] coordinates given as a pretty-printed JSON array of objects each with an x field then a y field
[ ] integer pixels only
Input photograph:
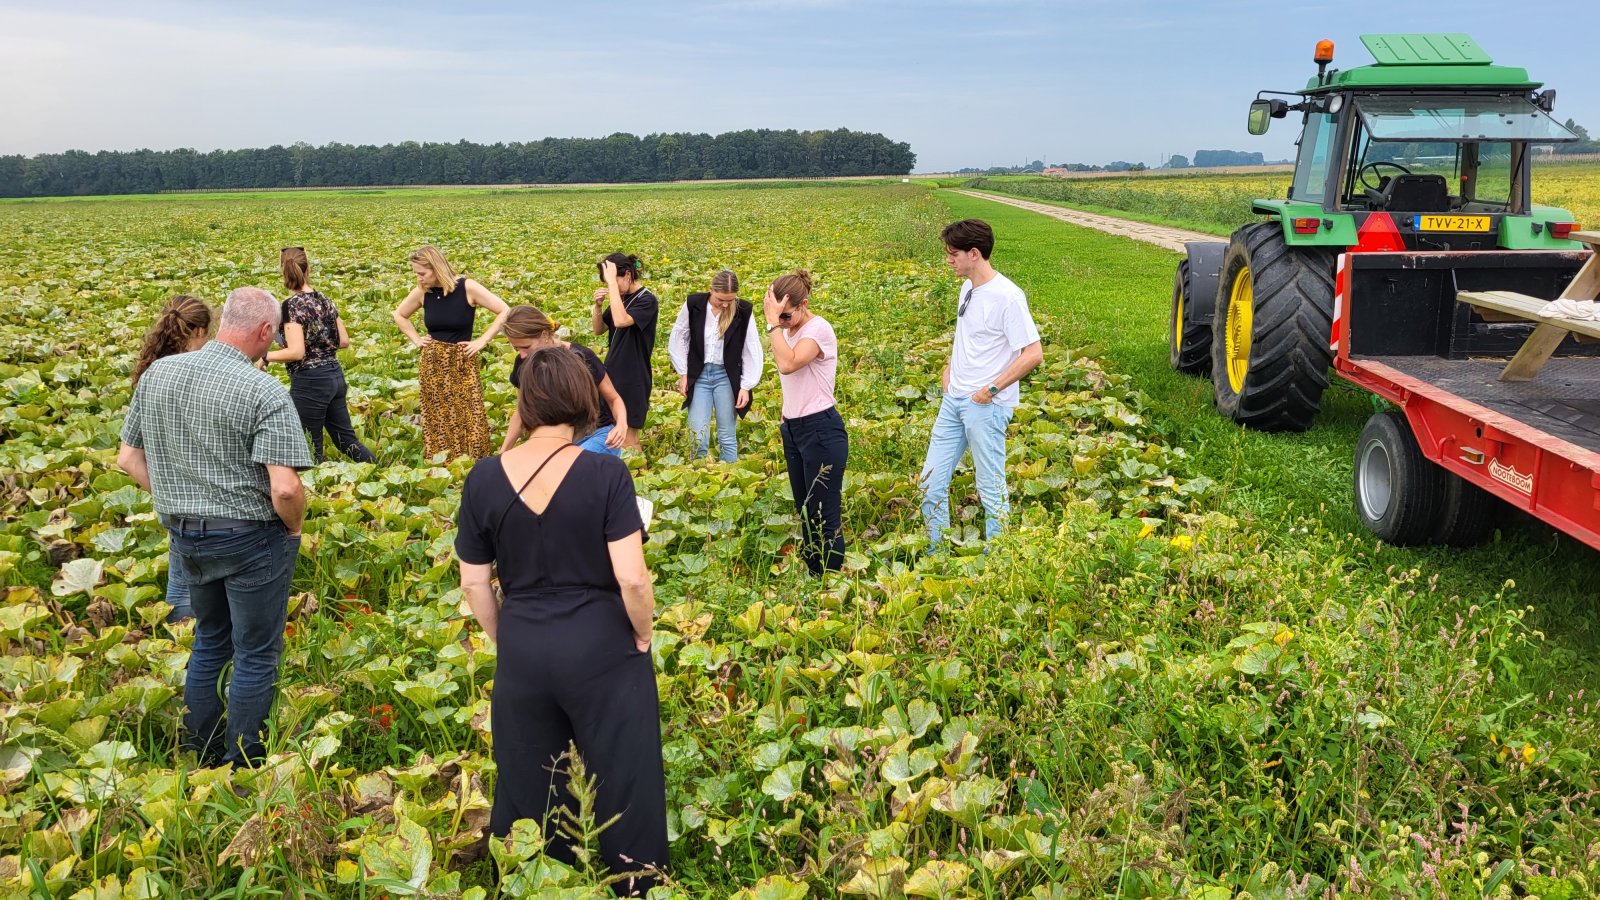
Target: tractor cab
[{"x": 1433, "y": 135}]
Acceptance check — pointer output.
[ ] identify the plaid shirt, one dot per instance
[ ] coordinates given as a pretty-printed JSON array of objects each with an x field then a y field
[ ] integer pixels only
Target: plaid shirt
[{"x": 210, "y": 423}]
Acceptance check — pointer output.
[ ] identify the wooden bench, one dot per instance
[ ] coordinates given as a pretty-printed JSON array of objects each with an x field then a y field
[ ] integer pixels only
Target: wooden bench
[{"x": 1509, "y": 306}]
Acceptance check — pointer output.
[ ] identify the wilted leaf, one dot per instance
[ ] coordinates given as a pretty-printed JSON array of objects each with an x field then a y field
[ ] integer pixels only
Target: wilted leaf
[{"x": 80, "y": 576}]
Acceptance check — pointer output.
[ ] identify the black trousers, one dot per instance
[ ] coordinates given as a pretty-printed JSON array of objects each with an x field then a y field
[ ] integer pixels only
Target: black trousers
[
  {"x": 570, "y": 676},
  {"x": 319, "y": 398},
  {"x": 817, "y": 448}
]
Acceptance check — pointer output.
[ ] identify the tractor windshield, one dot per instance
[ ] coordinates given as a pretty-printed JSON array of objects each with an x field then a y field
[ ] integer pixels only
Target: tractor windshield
[
  {"x": 1458, "y": 118},
  {"x": 1443, "y": 154}
]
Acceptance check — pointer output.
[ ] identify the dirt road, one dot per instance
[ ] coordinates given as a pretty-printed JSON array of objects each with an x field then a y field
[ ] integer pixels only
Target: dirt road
[{"x": 1160, "y": 235}]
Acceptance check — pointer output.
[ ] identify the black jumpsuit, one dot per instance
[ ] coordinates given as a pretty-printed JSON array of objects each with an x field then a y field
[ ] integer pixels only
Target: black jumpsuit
[
  {"x": 567, "y": 670},
  {"x": 628, "y": 353}
]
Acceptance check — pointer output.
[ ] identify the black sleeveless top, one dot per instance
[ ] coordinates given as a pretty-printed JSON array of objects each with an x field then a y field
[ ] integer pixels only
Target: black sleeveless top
[{"x": 448, "y": 317}]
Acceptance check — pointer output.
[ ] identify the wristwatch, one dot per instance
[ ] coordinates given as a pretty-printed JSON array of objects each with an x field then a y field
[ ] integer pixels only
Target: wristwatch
[{"x": 993, "y": 390}]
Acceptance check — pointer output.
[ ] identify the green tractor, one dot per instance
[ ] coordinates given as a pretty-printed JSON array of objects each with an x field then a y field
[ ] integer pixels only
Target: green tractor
[{"x": 1429, "y": 148}]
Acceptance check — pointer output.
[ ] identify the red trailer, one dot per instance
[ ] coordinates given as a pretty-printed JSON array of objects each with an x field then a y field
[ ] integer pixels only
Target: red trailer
[{"x": 1432, "y": 332}]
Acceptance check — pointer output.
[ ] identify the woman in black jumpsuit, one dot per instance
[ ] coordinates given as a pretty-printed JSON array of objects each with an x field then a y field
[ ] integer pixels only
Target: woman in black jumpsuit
[
  {"x": 563, "y": 527},
  {"x": 628, "y": 311}
]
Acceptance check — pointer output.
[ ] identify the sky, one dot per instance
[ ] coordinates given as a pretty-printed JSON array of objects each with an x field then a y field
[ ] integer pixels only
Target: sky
[{"x": 974, "y": 83}]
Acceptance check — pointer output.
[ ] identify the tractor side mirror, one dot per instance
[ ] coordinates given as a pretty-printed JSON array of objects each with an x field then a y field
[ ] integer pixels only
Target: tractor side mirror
[
  {"x": 1545, "y": 100},
  {"x": 1260, "y": 116}
]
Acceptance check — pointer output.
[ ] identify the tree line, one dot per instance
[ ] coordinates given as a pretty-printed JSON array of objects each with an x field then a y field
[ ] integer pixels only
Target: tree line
[{"x": 621, "y": 157}]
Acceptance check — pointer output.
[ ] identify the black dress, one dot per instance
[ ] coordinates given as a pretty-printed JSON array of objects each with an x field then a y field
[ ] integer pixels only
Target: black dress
[
  {"x": 568, "y": 671},
  {"x": 628, "y": 353}
]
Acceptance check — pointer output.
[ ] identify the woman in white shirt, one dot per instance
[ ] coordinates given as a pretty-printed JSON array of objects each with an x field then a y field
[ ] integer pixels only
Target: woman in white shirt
[{"x": 713, "y": 348}]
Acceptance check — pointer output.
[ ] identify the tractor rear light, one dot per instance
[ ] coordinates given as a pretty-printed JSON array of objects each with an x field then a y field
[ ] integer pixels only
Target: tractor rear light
[
  {"x": 1562, "y": 230},
  {"x": 1324, "y": 54},
  {"x": 1307, "y": 226}
]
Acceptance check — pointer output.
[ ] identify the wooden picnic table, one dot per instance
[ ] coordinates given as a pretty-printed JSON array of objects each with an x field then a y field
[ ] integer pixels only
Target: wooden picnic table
[{"x": 1511, "y": 306}]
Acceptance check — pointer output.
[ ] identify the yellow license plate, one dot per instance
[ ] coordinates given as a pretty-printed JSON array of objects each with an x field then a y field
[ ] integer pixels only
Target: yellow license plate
[{"x": 1452, "y": 223}]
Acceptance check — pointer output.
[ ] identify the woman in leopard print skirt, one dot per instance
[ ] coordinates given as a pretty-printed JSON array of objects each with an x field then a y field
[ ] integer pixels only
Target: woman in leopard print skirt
[{"x": 453, "y": 419}]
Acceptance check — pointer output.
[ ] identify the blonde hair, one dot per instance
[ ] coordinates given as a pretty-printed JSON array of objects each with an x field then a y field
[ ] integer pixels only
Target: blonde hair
[
  {"x": 725, "y": 282},
  {"x": 444, "y": 277},
  {"x": 527, "y": 323},
  {"x": 180, "y": 321}
]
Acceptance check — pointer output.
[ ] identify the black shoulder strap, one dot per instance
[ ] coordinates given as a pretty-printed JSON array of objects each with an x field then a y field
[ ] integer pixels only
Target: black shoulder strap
[{"x": 517, "y": 497}]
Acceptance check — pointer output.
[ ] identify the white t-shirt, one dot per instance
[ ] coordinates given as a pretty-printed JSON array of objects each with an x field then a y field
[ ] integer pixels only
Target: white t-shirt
[{"x": 989, "y": 337}]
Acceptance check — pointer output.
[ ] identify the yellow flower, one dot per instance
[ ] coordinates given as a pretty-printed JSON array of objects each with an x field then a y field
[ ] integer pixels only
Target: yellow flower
[
  {"x": 1147, "y": 530},
  {"x": 1183, "y": 542},
  {"x": 1528, "y": 753},
  {"x": 1282, "y": 637}
]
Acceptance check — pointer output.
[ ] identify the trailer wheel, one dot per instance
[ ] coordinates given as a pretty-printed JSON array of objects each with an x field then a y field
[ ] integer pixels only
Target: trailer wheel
[
  {"x": 1467, "y": 513},
  {"x": 1398, "y": 491},
  {"x": 1188, "y": 334},
  {"x": 1269, "y": 334}
]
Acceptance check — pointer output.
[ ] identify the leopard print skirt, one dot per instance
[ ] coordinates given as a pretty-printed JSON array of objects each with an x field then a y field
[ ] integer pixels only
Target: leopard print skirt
[{"x": 453, "y": 420}]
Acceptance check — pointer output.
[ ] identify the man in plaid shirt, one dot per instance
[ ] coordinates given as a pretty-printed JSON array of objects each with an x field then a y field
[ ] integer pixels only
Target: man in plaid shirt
[{"x": 218, "y": 445}]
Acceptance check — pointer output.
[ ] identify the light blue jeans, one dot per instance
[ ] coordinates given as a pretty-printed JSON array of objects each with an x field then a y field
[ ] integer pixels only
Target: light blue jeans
[
  {"x": 596, "y": 442},
  {"x": 964, "y": 425},
  {"x": 712, "y": 390}
]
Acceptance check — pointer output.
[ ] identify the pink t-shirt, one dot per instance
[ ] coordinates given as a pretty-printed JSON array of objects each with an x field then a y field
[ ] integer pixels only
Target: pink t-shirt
[{"x": 810, "y": 390}]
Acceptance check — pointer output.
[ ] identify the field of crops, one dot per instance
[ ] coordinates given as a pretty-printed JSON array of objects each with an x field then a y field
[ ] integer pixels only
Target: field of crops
[
  {"x": 1221, "y": 203},
  {"x": 1134, "y": 695}
]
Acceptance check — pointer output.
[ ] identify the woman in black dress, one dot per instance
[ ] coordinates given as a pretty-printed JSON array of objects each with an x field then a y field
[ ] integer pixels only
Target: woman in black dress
[
  {"x": 573, "y": 633},
  {"x": 627, "y": 310}
]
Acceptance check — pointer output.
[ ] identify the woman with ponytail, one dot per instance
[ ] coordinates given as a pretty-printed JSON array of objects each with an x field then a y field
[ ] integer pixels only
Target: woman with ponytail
[
  {"x": 313, "y": 335},
  {"x": 529, "y": 331},
  {"x": 627, "y": 311},
  {"x": 716, "y": 351},
  {"x": 183, "y": 325},
  {"x": 814, "y": 441}
]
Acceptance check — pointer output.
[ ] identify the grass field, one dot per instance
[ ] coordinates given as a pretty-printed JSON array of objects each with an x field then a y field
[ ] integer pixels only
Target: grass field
[
  {"x": 1184, "y": 672},
  {"x": 1221, "y": 203}
]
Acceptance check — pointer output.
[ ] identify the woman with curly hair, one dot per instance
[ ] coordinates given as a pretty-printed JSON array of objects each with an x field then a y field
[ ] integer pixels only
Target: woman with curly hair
[{"x": 184, "y": 324}]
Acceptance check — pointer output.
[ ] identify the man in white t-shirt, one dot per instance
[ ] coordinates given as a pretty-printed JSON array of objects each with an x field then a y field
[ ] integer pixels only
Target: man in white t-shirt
[{"x": 996, "y": 346}]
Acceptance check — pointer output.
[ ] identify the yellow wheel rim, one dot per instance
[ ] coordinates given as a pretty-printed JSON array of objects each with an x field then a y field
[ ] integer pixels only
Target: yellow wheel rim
[
  {"x": 1241, "y": 315},
  {"x": 1177, "y": 323}
]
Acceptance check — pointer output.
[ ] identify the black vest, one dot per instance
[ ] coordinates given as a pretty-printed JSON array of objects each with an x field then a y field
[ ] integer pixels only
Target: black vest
[{"x": 732, "y": 344}]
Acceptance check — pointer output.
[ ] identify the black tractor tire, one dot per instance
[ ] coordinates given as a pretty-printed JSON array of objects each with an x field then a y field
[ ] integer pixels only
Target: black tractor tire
[
  {"x": 1467, "y": 513},
  {"x": 1277, "y": 383},
  {"x": 1188, "y": 333},
  {"x": 1398, "y": 491}
]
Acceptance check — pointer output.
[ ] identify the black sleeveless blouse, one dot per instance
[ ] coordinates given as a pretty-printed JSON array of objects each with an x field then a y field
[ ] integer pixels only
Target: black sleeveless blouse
[{"x": 448, "y": 317}]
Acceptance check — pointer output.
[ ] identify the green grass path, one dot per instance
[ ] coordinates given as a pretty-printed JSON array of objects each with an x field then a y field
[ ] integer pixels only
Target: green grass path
[{"x": 1109, "y": 297}]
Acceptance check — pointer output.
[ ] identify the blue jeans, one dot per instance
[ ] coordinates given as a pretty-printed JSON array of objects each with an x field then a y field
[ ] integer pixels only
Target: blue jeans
[
  {"x": 239, "y": 588},
  {"x": 177, "y": 584},
  {"x": 964, "y": 425},
  {"x": 712, "y": 390},
  {"x": 596, "y": 442}
]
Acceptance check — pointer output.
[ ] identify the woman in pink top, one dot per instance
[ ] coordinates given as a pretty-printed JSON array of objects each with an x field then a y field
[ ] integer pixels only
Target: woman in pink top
[{"x": 814, "y": 442}]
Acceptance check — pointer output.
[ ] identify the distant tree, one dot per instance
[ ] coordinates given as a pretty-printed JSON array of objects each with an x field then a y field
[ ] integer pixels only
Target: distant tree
[
  {"x": 1178, "y": 161},
  {"x": 621, "y": 157},
  {"x": 1208, "y": 158}
]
